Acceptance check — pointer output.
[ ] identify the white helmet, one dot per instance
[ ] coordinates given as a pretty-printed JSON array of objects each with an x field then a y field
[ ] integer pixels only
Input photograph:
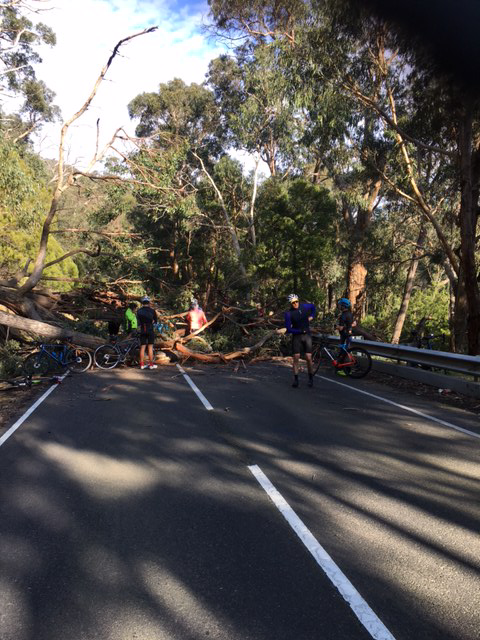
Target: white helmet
[{"x": 292, "y": 297}]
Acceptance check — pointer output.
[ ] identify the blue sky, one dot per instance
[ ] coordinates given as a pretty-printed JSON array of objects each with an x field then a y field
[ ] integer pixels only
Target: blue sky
[{"x": 87, "y": 31}]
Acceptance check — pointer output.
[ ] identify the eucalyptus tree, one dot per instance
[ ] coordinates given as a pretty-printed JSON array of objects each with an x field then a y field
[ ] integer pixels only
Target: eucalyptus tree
[
  {"x": 20, "y": 38},
  {"x": 181, "y": 125},
  {"x": 251, "y": 90},
  {"x": 419, "y": 118},
  {"x": 296, "y": 242}
]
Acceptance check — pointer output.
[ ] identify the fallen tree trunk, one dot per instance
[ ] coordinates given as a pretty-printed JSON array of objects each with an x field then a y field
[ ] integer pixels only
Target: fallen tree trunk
[
  {"x": 49, "y": 331},
  {"x": 216, "y": 358}
]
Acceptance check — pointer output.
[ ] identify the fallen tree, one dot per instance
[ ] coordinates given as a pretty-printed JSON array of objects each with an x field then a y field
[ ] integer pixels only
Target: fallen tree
[
  {"x": 19, "y": 292},
  {"x": 52, "y": 332},
  {"x": 217, "y": 358}
]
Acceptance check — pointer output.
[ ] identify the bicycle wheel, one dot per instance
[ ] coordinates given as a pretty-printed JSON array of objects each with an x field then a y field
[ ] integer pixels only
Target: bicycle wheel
[
  {"x": 362, "y": 362},
  {"x": 78, "y": 360},
  {"x": 107, "y": 356},
  {"x": 317, "y": 358},
  {"x": 37, "y": 364}
]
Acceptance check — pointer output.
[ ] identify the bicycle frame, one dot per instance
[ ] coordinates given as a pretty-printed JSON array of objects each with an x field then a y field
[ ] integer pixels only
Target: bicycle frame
[
  {"x": 125, "y": 346},
  {"x": 334, "y": 361},
  {"x": 50, "y": 349}
]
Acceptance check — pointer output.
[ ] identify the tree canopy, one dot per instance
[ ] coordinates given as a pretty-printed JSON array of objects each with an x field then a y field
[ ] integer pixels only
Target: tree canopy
[{"x": 363, "y": 177}]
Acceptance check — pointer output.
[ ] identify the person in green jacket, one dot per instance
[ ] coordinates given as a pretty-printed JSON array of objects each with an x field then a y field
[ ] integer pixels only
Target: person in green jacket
[{"x": 131, "y": 323}]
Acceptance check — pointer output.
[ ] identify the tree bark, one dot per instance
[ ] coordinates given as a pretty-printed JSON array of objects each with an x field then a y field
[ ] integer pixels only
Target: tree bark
[
  {"x": 48, "y": 331},
  {"x": 407, "y": 291},
  {"x": 468, "y": 221},
  {"x": 357, "y": 275}
]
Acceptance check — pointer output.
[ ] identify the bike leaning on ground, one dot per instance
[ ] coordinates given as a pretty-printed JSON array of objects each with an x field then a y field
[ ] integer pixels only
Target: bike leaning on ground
[
  {"x": 67, "y": 356},
  {"x": 355, "y": 361},
  {"x": 109, "y": 355}
]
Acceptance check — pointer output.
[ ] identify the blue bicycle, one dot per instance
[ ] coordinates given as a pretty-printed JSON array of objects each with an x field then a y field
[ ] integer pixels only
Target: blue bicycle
[{"x": 48, "y": 356}]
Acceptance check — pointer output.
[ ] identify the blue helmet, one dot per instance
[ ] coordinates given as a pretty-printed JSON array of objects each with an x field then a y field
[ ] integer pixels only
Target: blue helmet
[{"x": 344, "y": 302}]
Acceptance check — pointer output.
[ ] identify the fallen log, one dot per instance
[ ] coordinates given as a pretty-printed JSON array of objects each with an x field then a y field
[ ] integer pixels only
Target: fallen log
[
  {"x": 217, "y": 358},
  {"x": 45, "y": 330}
]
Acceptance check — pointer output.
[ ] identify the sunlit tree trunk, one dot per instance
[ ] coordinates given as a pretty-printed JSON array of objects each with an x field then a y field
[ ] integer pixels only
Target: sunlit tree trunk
[{"x": 407, "y": 292}]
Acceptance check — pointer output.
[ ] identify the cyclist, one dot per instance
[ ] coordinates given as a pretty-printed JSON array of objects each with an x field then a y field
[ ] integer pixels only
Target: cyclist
[
  {"x": 130, "y": 319},
  {"x": 146, "y": 317},
  {"x": 297, "y": 322},
  {"x": 196, "y": 317},
  {"x": 345, "y": 323}
]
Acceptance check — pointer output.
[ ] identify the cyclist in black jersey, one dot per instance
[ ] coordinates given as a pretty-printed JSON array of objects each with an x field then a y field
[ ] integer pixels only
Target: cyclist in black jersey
[
  {"x": 146, "y": 318},
  {"x": 345, "y": 324},
  {"x": 297, "y": 322}
]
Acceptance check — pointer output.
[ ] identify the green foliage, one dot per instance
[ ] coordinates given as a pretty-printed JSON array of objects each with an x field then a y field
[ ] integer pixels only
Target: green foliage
[
  {"x": 19, "y": 41},
  {"x": 296, "y": 237},
  {"x": 431, "y": 302},
  {"x": 24, "y": 202},
  {"x": 10, "y": 360}
]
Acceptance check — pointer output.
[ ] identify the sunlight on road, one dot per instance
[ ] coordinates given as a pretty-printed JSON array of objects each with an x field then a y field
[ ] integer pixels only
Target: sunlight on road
[{"x": 101, "y": 475}]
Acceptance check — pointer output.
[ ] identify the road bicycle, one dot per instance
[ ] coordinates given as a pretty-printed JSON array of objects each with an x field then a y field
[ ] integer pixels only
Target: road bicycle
[
  {"x": 108, "y": 356},
  {"x": 66, "y": 355},
  {"x": 355, "y": 361}
]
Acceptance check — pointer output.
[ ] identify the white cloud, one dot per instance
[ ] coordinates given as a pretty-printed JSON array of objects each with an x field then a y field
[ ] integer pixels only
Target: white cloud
[{"x": 87, "y": 31}]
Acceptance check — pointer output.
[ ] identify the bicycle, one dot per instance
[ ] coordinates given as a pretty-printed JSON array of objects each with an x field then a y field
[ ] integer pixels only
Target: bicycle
[
  {"x": 108, "y": 355},
  {"x": 355, "y": 361},
  {"x": 68, "y": 356},
  {"x": 424, "y": 342}
]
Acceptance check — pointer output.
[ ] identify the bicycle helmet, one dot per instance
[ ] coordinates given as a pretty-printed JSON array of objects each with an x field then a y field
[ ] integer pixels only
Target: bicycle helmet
[
  {"x": 293, "y": 297},
  {"x": 145, "y": 299},
  {"x": 344, "y": 302}
]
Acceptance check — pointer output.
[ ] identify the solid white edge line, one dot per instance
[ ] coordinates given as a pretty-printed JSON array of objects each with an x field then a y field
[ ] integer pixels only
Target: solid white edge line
[
  {"x": 29, "y": 412},
  {"x": 360, "y": 608},
  {"x": 402, "y": 406},
  {"x": 196, "y": 390}
]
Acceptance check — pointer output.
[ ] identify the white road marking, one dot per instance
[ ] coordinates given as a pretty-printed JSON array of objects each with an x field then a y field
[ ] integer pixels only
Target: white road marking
[
  {"x": 360, "y": 608},
  {"x": 196, "y": 390},
  {"x": 29, "y": 412},
  {"x": 402, "y": 406}
]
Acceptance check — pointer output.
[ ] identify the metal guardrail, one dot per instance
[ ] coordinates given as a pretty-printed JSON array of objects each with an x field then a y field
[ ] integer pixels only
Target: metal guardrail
[{"x": 468, "y": 365}]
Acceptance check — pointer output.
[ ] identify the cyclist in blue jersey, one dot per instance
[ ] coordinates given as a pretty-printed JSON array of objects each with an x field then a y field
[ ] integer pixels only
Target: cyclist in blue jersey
[{"x": 297, "y": 322}]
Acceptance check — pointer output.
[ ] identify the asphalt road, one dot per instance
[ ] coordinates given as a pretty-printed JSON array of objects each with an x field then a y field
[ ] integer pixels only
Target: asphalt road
[{"x": 128, "y": 510}]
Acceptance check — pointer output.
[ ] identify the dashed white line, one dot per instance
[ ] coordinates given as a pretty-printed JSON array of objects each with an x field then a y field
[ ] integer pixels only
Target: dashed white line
[
  {"x": 402, "y": 406},
  {"x": 28, "y": 413},
  {"x": 196, "y": 390},
  {"x": 360, "y": 608}
]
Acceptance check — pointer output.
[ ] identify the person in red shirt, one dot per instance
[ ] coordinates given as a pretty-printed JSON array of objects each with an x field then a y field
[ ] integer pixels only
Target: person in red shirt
[{"x": 195, "y": 318}]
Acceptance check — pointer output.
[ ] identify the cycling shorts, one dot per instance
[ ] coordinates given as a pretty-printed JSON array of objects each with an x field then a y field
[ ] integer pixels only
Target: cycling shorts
[
  {"x": 148, "y": 336},
  {"x": 301, "y": 340}
]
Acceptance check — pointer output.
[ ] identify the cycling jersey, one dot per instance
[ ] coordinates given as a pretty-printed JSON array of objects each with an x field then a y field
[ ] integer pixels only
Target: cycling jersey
[
  {"x": 296, "y": 320},
  {"x": 146, "y": 317},
  {"x": 130, "y": 321},
  {"x": 345, "y": 320}
]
